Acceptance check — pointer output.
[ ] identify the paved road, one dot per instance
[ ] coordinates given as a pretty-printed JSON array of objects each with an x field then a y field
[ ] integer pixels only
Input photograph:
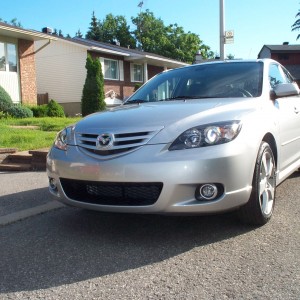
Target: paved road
[{"x": 68, "y": 253}]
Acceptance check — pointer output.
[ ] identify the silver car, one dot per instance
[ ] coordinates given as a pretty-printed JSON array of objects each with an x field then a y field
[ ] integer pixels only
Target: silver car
[{"x": 202, "y": 139}]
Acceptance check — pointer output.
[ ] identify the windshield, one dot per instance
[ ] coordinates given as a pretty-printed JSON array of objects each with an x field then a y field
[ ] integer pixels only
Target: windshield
[{"x": 219, "y": 80}]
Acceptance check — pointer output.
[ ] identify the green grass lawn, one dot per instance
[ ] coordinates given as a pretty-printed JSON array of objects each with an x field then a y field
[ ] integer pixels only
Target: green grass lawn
[{"x": 36, "y": 133}]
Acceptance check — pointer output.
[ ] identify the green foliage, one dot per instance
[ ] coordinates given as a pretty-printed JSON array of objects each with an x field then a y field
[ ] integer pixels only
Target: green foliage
[
  {"x": 5, "y": 100},
  {"x": 150, "y": 35},
  {"x": 28, "y": 138},
  {"x": 93, "y": 90},
  {"x": 39, "y": 111},
  {"x": 53, "y": 109},
  {"x": 44, "y": 124},
  {"x": 19, "y": 111},
  {"x": 4, "y": 115},
  {"x": 13, "y": 22},
  {"x": 111, "y": 30},
  {"x": 94, "y": 32},
  {"x": 79, "y": 34},
  {"x": 296, "y": 25},
  {"x": 170, "y": 41},
  {"x": 137, "y": 86}
]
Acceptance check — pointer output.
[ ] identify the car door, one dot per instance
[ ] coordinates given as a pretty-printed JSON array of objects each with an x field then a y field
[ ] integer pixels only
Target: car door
[{"x": 289, "y": 118}]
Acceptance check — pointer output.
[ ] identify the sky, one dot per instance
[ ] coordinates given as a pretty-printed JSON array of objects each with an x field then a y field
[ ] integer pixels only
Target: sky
[{"x": 254, "y": 22}]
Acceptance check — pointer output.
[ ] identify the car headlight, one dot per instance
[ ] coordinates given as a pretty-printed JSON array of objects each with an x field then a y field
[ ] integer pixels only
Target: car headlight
[
  {"x": 207, "y": 135},
  {"x": 63, "y": 138}
]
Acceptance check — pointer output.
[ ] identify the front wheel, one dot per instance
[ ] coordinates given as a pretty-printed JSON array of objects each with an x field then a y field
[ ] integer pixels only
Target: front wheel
[{"x": 259, "y": 209}]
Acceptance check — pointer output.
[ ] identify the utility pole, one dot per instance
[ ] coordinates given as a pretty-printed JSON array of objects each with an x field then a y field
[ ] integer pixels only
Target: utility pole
[{"x": 222, "y": 31}]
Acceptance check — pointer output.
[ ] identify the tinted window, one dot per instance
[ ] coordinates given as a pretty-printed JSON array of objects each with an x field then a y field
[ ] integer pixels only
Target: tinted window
[
  {"x": 220, "y": 80},
  {"x": 276, "y": 75}
]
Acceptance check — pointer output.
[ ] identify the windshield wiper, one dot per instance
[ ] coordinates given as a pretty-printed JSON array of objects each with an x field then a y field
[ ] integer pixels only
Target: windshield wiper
[
  {"x": 186, "y": 98},
  {"x": 182, "y": 97},
  {"x": 136, "y": 101}
]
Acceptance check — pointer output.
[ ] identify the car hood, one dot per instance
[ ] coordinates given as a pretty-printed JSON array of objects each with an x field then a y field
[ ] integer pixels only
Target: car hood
[{"x": 174, "y": 117}]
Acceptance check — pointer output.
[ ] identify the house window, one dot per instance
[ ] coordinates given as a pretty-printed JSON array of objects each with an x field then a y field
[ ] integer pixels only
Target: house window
[
  {"x": 137, "y": 73},
  {"x": 2, "y": 57},
  {"x": 111, "y": 69},
  {"x": 12, "y": 57},
  {"x": 8, "y": 57}
]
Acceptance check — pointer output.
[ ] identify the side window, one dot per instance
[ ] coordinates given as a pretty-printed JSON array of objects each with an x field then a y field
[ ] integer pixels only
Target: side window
[
  {"x": 288, "y": 76},
  {"x": 276, "y": 75}
]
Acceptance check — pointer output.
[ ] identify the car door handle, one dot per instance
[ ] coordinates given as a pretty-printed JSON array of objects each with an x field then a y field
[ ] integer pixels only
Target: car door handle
[{"x": 296, "y": 110}]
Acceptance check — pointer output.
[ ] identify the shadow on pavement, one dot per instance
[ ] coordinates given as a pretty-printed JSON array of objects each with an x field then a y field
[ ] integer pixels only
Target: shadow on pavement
[{"x": 70, "y": 245}]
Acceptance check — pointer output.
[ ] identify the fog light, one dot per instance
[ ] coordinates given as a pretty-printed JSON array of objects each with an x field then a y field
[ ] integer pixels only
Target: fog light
[
  {"x": 207, "y": 191},
  {"x": 52, "y": 184}
]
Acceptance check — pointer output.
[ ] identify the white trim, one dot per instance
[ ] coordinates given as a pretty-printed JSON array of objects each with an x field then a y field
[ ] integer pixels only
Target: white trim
[
  {"x": 99, "y": 49},
  {"x": 20, "y": 33},
  {"x": 145, "y": 72},
  {"x": 121, "y": 70},
  {"x": 102, "y": 64}
]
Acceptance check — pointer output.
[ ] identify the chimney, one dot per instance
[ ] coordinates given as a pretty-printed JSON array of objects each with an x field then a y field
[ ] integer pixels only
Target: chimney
[
  {"x": 198, "y": 58},
  {"x": 47, "y": 30}
]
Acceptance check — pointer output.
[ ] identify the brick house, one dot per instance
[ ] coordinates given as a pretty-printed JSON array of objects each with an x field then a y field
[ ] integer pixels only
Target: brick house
[
  {"x": 17, "y": 62},
  {"x": 287, "y": 55},
  {"x": 61, "y": 73}
]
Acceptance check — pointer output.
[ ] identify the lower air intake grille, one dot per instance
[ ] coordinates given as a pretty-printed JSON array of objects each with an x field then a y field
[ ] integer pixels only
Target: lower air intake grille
[{"x": 112, "y": 193}]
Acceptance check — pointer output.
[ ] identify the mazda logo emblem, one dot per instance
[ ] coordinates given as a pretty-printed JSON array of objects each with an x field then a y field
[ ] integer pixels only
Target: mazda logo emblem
[{"x": 104, "y": 141}]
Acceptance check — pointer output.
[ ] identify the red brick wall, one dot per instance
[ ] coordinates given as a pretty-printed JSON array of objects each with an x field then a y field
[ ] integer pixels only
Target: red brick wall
[
  {"x": 287, "y": 58},
  {"x": 27, "y": 72}
]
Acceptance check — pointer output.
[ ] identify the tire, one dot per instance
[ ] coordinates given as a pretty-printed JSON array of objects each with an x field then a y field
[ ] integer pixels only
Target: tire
[{"x": 259, "y": 208}]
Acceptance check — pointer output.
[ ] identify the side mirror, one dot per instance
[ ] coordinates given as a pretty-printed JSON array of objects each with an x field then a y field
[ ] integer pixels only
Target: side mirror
[{"x": 285, "y": 90}]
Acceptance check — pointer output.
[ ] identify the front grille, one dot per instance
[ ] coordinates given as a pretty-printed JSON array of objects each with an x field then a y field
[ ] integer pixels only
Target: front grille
[
  {"x": 112, "y": 193},
  {"x": 122, "y": 141}
]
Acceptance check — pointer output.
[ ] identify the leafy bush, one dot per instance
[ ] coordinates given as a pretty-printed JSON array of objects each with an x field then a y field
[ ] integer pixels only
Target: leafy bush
[
  {"x": 92, "y": 99},
  {"x": 4, "y": 115},
  {"x": 39, "y": 111},
  {"x": 137, "y": 86},
  {"x": 5, "y": 100},
  {"x": 54, "y": 109},
  {"x": 20, "y": 111}
]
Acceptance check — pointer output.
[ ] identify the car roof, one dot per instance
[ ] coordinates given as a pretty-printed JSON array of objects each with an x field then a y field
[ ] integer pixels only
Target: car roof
[{"x": 265, "y": 61}]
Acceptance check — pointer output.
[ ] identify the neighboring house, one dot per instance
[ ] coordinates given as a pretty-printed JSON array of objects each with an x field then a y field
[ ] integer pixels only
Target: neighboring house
[
  {"x": 287, "y": 55},
  {"x": 17, "y": 62},
  {"x": 61, "y": 70}
]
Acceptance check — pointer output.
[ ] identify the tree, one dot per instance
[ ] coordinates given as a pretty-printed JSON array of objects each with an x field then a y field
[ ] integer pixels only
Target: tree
[
  {"x": 170, "y": 41},
  {"x": 230, "y": 56},
  {"x": 123, "y": 34},
  {"x": 13, "y": 22},
  {"x": 150, "y": 35},
  {"x": 150, "y": 32},
  {"x": 79, "y": 34},
  {"x": 94, "y": 32},
  {"x": 296, "y": 25},
  {"x": 93, "y": 90},
  {"x": 113, "y": 29}
]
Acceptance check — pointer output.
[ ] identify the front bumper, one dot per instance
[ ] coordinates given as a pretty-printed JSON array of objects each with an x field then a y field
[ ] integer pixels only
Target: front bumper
[{"x": 179, "y": 173}]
